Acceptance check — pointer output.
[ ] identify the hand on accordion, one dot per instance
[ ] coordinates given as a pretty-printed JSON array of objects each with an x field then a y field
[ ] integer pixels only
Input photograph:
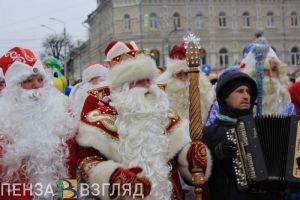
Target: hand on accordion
[
  {"x": 225, "y": 149},
  {"x": 129, "y": 176}
]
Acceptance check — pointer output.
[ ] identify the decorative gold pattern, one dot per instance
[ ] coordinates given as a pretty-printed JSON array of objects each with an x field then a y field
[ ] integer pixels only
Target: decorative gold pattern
[
  {"x": 99, "y": 93},
  {"x": 107, "y": 120},
  {"x": 126, "y": 56},
  {"x": 87, "y": 164}
]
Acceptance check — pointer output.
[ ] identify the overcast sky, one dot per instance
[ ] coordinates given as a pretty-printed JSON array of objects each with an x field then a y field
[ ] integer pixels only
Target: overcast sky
[{"x": 21, "y": 20}]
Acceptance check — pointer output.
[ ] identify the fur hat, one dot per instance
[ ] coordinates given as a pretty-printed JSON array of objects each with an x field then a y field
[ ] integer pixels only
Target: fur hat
[
  {"x": 175, "y": 63},
  {"x": 18, "y": 64},
  {"x": 127, "y": 63},
  {"x": 231, "y": 80},
  {"x": 93, "y": 71}
]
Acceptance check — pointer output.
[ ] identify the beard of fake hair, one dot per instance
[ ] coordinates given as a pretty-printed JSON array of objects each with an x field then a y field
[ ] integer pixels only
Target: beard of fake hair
[
  {"x": 34, "y": 136},
  {"x": 275, "y": 96},
  {"x": 178, "y": 93},
  {"x": 142, "y": 116}
]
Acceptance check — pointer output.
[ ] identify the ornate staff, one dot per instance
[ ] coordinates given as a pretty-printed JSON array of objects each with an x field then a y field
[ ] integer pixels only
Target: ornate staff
[
  {"x": 260, "y": 52},
  {"x": 192, "y": 47}
]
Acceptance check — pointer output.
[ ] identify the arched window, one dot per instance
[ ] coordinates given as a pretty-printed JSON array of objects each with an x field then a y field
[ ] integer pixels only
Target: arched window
[
  {"x": 295, "y": 56},
  {"x": 199, "y": 21},
  {"x": 223, "y": 57},
  {"x": 246, "y": 20},
  {"x": 222, "y": 19},
  {"x": 270, "y": 19},
  {"x": 294, "y": 19},
  {"x": 176, "y": 20},
  {"x": 153, "y": 21},
  {"x": 126, "y": 22}
]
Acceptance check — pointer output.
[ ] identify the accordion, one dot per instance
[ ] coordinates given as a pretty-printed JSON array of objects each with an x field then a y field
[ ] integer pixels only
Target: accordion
[{"x": 267, "y": 148}]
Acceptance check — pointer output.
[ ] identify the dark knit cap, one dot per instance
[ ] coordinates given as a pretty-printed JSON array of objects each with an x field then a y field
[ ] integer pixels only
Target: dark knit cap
[{"x": 229, "y": 81}]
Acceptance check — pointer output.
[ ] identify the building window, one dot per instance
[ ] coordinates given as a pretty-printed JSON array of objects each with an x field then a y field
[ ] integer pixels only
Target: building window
[
  {"x": 222, "y": 20},
  {"x": 127, "y": 24},
  {"x": 223, "y": 57},
  {"x": 153, "y": 21},
  {"x": 270, "y": 20},
  {"x": 294, "y": 19},
  {"x": 295, "y": 56},
  {"x": 176, "y": 20},
  {"x": 199, "y": 21},
  {"x": 246, "y": 20}
]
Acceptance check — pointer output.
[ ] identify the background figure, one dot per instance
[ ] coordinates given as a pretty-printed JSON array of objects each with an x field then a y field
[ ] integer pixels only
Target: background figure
[
  {"x": 2, "y": 82},
  {"x": 176, "y": 83},
  {"x": 128, "y": 135},
  {"x": 276, "y": 98},
  {"x": 35, "y": 125},
  {"x": 94, "y": 76},
  {"x": 236, "y": 93}
]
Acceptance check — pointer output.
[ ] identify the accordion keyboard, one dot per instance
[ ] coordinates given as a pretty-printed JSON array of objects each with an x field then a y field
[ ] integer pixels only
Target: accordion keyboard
[
  {"x": 239, "y": 168},
  {"x": 296, "y": 170}
]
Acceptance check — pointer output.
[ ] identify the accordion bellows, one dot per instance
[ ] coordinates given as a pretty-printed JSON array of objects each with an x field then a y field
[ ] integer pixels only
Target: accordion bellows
[{"x": 267, "y": 148}]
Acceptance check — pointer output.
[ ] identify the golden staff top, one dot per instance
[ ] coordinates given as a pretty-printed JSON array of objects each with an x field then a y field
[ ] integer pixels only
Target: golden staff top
[{"x": 192, "y": 47}]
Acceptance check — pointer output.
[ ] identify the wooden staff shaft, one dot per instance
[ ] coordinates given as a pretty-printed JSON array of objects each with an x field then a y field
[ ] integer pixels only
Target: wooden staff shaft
[{"x": 196, "y": 126}]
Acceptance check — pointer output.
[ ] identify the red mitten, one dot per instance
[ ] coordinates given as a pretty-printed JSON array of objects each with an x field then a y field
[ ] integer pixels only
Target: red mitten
[
  {"x": 123, "y": 176},
  {"x": 197, "y": 155}
]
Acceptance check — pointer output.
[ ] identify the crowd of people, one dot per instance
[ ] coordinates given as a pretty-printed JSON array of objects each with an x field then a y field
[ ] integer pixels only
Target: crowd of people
[{"x": 124, "y": 130}]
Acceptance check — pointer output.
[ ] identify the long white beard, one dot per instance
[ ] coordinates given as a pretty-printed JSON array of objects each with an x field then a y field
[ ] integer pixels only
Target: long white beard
[
  {"x": 34, "y": 126},
  {"x": 275, "y": 96},
  {"x": 142, "y": 116},
  {"x": 178, "y": 93}
]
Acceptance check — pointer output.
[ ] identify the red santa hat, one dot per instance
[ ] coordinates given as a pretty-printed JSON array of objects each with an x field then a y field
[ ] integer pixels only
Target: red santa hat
[
  {"x": 18, "y": 64},
  {"x": 127, "y": 63},
  {"x": 94, "y": 70},
  {"x": 176, "y": 61}
]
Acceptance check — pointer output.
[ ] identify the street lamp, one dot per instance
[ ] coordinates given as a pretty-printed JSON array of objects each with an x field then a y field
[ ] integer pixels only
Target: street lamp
[
  {"x": 65, "y": 46},
  {"x": 47, "y": 27}
]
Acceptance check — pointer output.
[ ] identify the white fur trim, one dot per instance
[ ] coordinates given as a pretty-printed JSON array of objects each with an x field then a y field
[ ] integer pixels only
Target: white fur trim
[
  {"x": 184, "y": 165},
  {"x": 179, "y": 137},
  {"x": 19, "y": 71},
  {"x": 118, "y": 49},
  {"x": 130, "y": 70},
  {"x": 94, "y": 71},
  {"x": 100, "y": 175},
  {"x": 89, "y": 136},
  {"x": 133, "y": 44},
  {"x": 175, "y": 66},
  {"x": 206, "y": 96}
]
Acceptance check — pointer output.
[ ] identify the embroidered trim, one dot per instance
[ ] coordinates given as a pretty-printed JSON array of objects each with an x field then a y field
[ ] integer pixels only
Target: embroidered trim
[
  {"x": 107, "y": 120},
  {"x": 87, "y": 164}
]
